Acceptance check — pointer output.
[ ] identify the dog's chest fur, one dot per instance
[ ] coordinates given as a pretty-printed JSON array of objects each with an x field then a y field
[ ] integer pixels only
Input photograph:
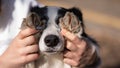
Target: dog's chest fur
[
  {"x": 49, "y": 61},
  {"x": 52, "y": 61}
]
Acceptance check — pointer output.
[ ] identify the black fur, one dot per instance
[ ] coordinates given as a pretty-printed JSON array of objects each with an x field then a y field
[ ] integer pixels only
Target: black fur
[{"x": 42, "y": 12}]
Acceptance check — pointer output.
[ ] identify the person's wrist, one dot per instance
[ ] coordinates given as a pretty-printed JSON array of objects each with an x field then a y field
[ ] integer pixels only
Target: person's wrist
[
  {"x": 2, "y": 63},
  {"x": 88, "y": 56}
]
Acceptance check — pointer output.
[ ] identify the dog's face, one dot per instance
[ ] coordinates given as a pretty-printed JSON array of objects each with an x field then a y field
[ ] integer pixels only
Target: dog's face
[{"x": 51, "y": 40}]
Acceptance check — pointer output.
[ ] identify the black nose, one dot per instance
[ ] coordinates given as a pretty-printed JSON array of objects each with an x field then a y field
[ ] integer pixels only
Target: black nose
[{"x": 51, "y": 40}]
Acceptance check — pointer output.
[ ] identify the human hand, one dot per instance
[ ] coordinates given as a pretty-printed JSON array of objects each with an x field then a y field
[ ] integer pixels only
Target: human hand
[
  {"x": 75, "y": 47},
  {"x": 23, "y": 49}
]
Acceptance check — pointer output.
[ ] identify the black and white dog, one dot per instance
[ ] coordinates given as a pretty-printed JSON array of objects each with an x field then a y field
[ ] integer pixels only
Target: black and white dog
[{"x": 51, "y": 42}]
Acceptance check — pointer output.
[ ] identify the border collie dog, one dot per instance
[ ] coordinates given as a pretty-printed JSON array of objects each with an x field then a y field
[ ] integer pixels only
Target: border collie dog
[{"x": 51, "y": 42}]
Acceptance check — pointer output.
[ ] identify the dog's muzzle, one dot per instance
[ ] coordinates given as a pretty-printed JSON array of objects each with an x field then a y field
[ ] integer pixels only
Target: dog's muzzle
[{"x": 51, "y": 40}]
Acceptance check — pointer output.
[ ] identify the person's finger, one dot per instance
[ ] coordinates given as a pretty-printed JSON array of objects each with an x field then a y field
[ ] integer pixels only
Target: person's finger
[
  {"x": 68, "y": 54},
  {"x": 82, "y": 46},
  {"x": 29, "y": 40},
  {"x": 31, "y": 57},
  {"x": 72, "y": 55},
  {"x": 71, "y": 46},
  {"x": 70, "y": 36},
  {"x": 71, "y": 62},
  {"x": 25, "y": 33},
  {"x": 31, "y": 49}
]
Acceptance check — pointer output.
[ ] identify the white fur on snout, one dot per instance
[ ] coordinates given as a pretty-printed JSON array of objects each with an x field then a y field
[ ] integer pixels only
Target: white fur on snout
[{"x": 51, "y": 29}]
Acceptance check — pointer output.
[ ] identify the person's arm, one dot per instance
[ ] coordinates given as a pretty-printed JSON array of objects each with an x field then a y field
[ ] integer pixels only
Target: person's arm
[
  {"x": 80, "y": 53},
  {"x": 21, "y": 50}
]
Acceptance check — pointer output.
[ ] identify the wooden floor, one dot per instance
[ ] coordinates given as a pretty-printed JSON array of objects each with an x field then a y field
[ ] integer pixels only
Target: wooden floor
[{"x": 102, "y": 20}]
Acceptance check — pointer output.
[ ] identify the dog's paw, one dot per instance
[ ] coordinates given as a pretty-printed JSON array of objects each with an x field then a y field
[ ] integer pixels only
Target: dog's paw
[
  {"x": 70, "y": 22},
  {"x": 33, "y": 21}
]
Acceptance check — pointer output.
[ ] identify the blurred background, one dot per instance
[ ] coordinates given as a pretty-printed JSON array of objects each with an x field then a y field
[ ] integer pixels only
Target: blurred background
[{"x": 102, "y": 20}]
